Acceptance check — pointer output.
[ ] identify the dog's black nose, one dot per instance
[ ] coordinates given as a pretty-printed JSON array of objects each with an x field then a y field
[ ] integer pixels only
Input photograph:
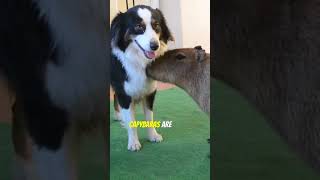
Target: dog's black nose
[{"x": 154, "y": 45}]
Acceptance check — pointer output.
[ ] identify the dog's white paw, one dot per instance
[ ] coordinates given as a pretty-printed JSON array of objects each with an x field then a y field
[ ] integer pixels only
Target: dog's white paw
[
  {"x": 122, "y": 124},
  {"x": 155, "y": 137},
  {"x": 117, "y": 116},
  {"x": 134, "y": 145}
]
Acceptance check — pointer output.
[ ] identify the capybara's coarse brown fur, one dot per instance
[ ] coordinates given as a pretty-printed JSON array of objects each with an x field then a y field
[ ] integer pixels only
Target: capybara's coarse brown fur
[
  {"x": 269, "y": 51},
  {"x": 188, "y": 68}
]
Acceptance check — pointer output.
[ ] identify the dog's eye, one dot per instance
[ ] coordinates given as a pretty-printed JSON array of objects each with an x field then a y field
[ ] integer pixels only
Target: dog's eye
[
  {"x": 139, "y": 28},
  {"x": 156, "y": 27}
]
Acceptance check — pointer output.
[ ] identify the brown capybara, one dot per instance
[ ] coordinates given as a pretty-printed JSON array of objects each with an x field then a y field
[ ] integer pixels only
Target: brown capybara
[{"x": 189, "y": 69}]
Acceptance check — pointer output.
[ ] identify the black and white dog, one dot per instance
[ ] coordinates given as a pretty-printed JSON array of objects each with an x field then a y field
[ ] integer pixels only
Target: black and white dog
[
  {"x": 138, "y": 37},
  {"x": 53, "y": 54}
]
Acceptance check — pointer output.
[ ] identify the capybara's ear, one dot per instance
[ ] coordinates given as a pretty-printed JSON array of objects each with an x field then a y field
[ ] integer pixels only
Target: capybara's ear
[
  {"x": 198, "y": 48},
  {"x": 180, "y": 56},
  {"x": 200, "y": 55}
]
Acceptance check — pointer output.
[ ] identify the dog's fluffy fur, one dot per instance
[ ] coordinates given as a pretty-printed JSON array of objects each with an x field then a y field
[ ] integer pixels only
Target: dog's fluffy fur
[
  {"x": 54, "y": 56},
  {"x": 138, "y": 37}
]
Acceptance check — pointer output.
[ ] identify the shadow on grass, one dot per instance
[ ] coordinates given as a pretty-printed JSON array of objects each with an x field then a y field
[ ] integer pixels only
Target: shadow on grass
[{"x": 246, "y": 147}]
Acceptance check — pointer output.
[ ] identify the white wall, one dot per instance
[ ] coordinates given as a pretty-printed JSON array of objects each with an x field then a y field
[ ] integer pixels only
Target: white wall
[
  {"x": 116, "y": 6},
  {"x": 171, "y": 10},
  {"x": 189, "y": 21},
  {"x": 196, "y": 23}
]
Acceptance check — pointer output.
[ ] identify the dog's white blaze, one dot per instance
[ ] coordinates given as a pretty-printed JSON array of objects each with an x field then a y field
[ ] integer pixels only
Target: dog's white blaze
[
  {"x": 78, "y": 84},
  {"x": 149, "y": 34},
  {"x": 52, "y": 165}
]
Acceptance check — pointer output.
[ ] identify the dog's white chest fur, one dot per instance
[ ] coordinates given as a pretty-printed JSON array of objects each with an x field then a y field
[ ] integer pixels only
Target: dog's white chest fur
[
  {"x": 78, "y": 84},
  {"x": 138, "y": 84},
  {"x": 134, "y": 62}
]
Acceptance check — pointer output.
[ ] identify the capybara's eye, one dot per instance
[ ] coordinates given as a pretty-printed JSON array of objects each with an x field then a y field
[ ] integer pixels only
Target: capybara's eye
[{"x": 180, "y": 56}]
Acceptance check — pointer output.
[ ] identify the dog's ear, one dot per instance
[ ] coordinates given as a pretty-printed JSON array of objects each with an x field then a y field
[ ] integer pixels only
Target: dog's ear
[
  {"x": 118, "y": 32},
  {"x": 165, "y": 34},
  {"x": 116, "y": 27}
]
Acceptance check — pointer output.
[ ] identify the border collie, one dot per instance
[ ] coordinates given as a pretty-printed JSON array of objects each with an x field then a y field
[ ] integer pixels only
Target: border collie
[
  {"x": 138, "y": 37},
  {"x": 53, "y": 54}
]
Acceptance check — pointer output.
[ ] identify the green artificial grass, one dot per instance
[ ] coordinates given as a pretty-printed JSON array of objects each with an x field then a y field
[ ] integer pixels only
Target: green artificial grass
[
  {"x": 91, "y": 165},
  {"x": 182, "y": 155},
  {"x": 245, "y": 147}
]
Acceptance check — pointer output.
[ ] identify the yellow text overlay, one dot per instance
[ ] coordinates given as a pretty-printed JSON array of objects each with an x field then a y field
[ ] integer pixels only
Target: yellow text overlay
[{"x": 150, "y": 124}]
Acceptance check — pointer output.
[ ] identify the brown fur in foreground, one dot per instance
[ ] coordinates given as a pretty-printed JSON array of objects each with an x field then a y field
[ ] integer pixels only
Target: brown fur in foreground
[
  {"x": 269, "y": 51},
  {"x": 188, "y": 68},
  {"x": 6, "y": 101}
]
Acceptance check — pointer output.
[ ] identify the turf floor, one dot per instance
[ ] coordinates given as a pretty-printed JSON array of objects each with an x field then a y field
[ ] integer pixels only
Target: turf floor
[
  {"x": 182, "y": 155},
  {"x": 245, "y": 147}
]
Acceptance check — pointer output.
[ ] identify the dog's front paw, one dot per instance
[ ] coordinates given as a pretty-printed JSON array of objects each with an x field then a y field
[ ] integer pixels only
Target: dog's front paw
[
  {"x": 134, "y": 145},
  {"x": 117, "y": 116},
  {"x": 155, "y": 137}
]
